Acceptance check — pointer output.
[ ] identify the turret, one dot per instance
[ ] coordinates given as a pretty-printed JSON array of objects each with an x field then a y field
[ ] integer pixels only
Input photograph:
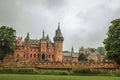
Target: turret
[
  {"x": 43, "y": 47},
  {"x": 27, "y": 39},
  {"x": 58, "y": 39},
  {"x": 19, "y": 41},
  {"x": 43, "y": 36},
  {"x": 81, "y": 50},
  {"x": 72, "y": 51}
]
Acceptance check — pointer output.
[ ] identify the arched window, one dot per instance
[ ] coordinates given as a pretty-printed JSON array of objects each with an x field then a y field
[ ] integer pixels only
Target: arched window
[
  {"x": 34, "y": 55},
  {"x": 43, "y": 56},
  {"x": 24, "y": 55},
  {"x": 17, "y": 55}
]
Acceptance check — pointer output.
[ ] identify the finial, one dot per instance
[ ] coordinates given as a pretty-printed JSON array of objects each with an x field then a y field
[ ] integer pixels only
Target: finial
[
  {"x": 28, "y": 34},
  {"x": 43, "y": 34},
  {"x": 72, "y": 48},
  {"x": 58, "y": 25},
  {"x": 27, "y": 37}
]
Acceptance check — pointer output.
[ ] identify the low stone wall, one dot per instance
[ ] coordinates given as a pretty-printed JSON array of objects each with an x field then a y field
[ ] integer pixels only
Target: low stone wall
[
  {"x": 9, "y": 61},
  {"x": 65, "y": 65}
]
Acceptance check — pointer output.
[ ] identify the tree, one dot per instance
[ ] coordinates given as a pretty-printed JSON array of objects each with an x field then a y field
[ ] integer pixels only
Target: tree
[
  {"x": 82, "y": 57},
  {"x": 112, "y": 42},
  {"x": 101, "y": 50},
  {"x": 93, "y": 50},
  {"x": 7, "y": 41}
]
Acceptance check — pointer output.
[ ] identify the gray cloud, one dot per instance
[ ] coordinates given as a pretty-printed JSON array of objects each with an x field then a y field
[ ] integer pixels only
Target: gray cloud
[{"x": 83, "y": 22}]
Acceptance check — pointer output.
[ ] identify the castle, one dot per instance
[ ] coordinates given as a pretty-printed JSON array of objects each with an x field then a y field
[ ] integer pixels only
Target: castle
[
  {"x": 40, "y": 50},
  {"x": 44, "y": 54}
]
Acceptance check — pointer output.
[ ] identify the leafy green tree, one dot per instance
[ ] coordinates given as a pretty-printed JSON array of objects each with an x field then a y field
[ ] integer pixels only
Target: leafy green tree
[
  {"x": 7, "y": 41},
  {"x": 101, "y": 50},
  {"x": 112, "y": 42},
  {"x": 93, "y": 50},
  {"x": 82, "y": 57}
]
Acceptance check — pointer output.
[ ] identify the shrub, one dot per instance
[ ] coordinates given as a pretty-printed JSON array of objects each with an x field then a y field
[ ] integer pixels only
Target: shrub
[
  {"x": 25, "y": 70},
  {"x": 79, "y": 71},
  {"x": 18, "y": 70},
  {"x": 6, "y": 70}
]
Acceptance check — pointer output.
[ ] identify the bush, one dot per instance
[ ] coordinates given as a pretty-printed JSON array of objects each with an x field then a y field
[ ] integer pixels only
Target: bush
[
  {"x": 53, "y": 72},
  {"x": 25, "y": 71},
  {"x": 6, "y": 70},
  {"x": 18, "y": 70},
  {"x": 82, "y": 70}
]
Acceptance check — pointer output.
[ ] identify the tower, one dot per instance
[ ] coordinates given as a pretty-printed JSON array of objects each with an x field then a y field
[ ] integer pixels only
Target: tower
[
  {"x": 27, "y": 39},
  {"x": 43, "y": 47},
  {"x": 58, "y": 44},
  {"x": 72, "y": 51},
  {"x": 19, "y": 41},
  {"x": 81, "y": 50}
]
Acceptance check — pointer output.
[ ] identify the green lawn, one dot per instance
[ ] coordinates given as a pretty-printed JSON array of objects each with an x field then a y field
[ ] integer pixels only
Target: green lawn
[{"x": 53, "y": 77}]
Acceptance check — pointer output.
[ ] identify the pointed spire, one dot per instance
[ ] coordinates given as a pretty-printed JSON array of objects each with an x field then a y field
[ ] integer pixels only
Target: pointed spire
[
  {"x": 58, "y": 25},
  {"x": 43, "y": 37},
  {"x": 58, "y": 34},
  {"x": 28, "y": 37},
  {"x": 48, "y": 39},
  {"x": 72, "y": 49},
  {"x": 28, "y": 34}
]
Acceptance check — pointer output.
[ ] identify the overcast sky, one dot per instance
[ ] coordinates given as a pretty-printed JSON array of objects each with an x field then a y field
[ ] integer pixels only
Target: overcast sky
[{"x": 83, "y": 22}]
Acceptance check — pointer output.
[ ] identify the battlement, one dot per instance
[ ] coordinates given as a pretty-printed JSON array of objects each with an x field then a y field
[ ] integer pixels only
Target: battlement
[{"x": 59, "y": 65}]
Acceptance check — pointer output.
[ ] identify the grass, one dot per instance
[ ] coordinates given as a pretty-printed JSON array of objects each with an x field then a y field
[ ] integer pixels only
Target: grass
[
  {"x": 81, "y": 72},
  {"x": 53, "y": 77}
]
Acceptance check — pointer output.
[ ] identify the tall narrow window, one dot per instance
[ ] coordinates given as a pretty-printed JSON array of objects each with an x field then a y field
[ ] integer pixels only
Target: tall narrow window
[
  {"x": 49, "y": 56},
  {"x": 24, "y": 55},
  {"x": 34, "y": 55},
  {"x": 38, "y": 55},
  {"x": 52, "y": 56},
  {"x": 17, "y": 55}
]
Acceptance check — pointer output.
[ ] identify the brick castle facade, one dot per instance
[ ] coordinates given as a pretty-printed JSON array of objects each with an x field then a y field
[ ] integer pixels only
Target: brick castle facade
[{"x": 40, "y": 50}]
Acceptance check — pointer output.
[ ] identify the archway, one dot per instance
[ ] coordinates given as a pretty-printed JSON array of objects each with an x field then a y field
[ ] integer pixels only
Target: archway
[{"x": 43, "y": 56}]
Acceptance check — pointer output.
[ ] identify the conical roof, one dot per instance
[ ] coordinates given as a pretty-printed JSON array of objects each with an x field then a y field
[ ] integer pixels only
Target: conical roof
[{"x": 58, "y": 34}]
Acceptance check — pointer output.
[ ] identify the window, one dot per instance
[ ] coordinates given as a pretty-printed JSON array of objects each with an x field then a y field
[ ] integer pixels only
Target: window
[
  {"x": 52, "y": 56},
  {"x": 34, "y": 55},
  {"x": 17, "y": 55},
  {"x": 30, "y": 55},
  {"x": 24, "y": 55},
  {"x": 38, "y": 55},
  {"x": 49, "y": 56}
]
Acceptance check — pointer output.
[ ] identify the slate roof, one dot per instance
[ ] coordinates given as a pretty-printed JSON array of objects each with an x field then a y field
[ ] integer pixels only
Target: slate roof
[
  {"x": 66, "y": 54},
  {"x": 33, "y": 41}
]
